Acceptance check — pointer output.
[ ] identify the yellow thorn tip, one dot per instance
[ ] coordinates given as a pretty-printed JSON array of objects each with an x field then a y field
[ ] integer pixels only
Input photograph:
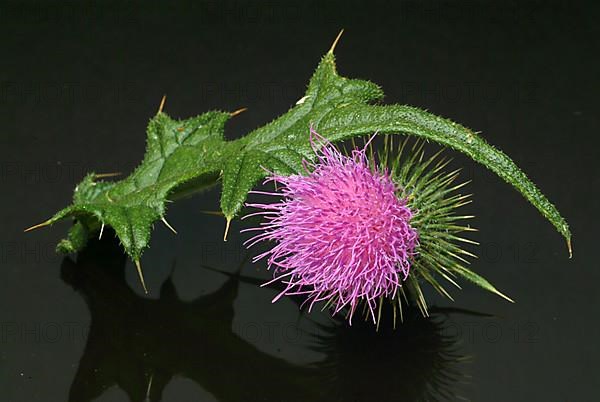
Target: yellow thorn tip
[
  {"x": 39, "y": 225},
  {"x": 141, "y": 275},
  {"x": 335, "y": 42},
  {"x": 216, "y": 213},
  {"x": 103, "y": 175},
  {"x": 236, "y": 112},
  {"x": 168, "y": 225},
  {"x": 226, "y": 228},
  {"x": 162, "y": 104},
  {"x": 505, "y": 297}
]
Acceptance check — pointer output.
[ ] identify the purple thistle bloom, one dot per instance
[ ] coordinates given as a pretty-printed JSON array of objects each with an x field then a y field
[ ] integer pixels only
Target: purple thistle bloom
[{"x": 342, "y": 233}]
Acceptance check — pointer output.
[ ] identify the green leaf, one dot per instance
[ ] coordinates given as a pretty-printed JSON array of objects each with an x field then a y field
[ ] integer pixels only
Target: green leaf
[
  {"x": 177, "y": 152},
  {"x": 182, "y": 156},
  {"x": 339, "y": 108},
  {"x": 281, "y": 145},
  {"x": 352, "y": 120}
]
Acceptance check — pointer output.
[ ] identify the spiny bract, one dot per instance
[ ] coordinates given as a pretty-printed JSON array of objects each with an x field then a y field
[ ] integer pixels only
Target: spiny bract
[
  {"x": 342, "y": 233},
  {"x": 351, "y": 230}
]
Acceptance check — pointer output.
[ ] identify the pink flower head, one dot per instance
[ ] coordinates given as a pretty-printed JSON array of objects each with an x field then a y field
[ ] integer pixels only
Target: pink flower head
[{"x": 342, "y": 235}]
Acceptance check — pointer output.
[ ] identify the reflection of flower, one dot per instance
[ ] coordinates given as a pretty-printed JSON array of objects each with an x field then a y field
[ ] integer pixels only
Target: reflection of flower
[
  {"x": 201, "y": 337},
  {"x": 343, "y": 235},
  {"x": 426, "y": 351}
]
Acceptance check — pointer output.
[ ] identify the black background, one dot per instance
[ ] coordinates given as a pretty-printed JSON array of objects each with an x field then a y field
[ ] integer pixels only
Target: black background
[{"x": 79, "y": 81}]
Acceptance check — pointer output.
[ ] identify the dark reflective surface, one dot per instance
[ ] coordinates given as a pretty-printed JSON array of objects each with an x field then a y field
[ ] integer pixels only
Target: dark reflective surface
[
  {"x": 140, "y": 345},
  {"x": 78, "y": 83}
]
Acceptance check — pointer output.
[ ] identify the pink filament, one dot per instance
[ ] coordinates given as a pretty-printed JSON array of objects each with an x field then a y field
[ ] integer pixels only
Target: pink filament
[{"x": 341, "y": 232}]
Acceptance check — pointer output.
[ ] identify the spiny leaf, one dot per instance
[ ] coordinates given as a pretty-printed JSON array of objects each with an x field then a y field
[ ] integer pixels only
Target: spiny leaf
[
  {"x": 281, "y": 145},
  {"x": 177, "y": 153},
  {"x": 339, "y": 108},
  {"x": 183, "y": 156},
  {"x": 351, "y": 120}
]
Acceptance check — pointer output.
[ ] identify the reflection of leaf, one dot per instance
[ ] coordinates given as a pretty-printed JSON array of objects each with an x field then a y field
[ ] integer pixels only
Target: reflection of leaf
[
  {"x": 189, "y": 151},
  {"x": 133, "y": 339},
  {"x": 140, "y": 345}
]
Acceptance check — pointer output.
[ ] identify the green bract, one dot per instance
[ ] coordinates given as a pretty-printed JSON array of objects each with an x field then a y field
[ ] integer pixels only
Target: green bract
[
  {"x": 434, "y": 196},
  {"x": 186, "y": 155}
]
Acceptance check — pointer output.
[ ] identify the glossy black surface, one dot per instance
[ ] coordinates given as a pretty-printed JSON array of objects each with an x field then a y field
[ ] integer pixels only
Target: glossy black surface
[{"x": 79, "y": 82}]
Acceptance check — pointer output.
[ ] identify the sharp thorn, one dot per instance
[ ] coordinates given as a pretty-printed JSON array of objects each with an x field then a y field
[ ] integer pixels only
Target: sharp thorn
[
  {"x": 226, "y": 228},
  {"x": 162, "y": 104},
  {"x": 216, "y": 213},
  {"x": 101, "y": 231},
  {"x": 335, "y": 42},
  {"x": 141, "y": 275},
  {"x": 236, "y": 112},
  {"x": 149, "y": 388},
  {"x": 502, "y": 295},
  {"x": 39, "y": 225},
  {"x": 104, "y": 175},
  {"x": 569, "y": 246},
  {"x": 168, "y": 225}
]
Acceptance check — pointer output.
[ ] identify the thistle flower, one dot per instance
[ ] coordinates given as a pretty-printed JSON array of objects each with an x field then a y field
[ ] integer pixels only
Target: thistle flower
[
  {"x": 351, "y": 231},
  {"x": 342, "y": 233}
]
